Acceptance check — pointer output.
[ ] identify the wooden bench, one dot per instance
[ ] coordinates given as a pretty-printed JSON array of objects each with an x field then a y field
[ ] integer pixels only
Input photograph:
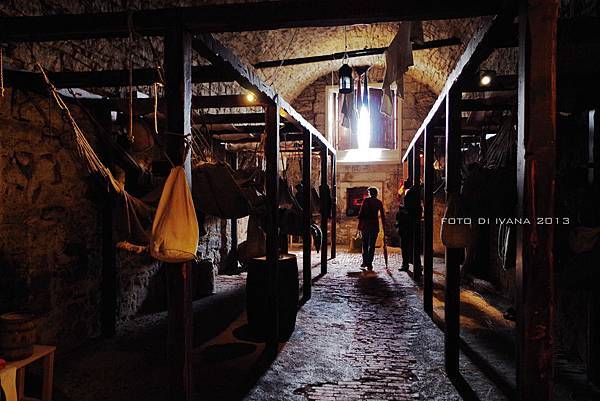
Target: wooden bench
[{"x": 46, "y": 354}]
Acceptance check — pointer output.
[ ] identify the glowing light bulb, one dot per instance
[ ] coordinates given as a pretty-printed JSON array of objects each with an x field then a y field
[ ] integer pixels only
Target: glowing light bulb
[
  {"x": 251, "y": 97},
  {"x": 486, "y": 80}
]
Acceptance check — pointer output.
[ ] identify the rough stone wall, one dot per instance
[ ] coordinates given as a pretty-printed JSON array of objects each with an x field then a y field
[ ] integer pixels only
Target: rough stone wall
[
  {"x": 50, "y": 259},
  {"x": 384, "y": 177},
  {"x": 417, "y": 102}
]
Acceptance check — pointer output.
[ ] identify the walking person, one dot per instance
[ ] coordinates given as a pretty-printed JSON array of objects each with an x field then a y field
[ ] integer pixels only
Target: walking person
[
  {"x": 368, "y": 224},
  {"x": 414, "y": 210},
  {"x": 403, "y": 223}
]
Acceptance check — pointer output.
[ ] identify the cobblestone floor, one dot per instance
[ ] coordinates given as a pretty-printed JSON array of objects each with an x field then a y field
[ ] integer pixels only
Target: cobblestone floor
[{"x": 362, "y": 336}]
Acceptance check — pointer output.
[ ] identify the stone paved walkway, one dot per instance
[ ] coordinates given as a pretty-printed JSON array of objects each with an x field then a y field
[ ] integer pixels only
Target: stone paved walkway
[{"x": 363, "y": 336}]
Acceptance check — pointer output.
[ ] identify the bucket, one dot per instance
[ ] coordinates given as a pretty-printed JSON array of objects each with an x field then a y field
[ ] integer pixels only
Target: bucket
[{"x": 17, "y": 336}]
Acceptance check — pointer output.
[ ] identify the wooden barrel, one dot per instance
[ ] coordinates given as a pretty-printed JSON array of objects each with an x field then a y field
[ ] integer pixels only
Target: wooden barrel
[
  {"x": 257, "y": 301},
  {"x": 17, "y": 336}
]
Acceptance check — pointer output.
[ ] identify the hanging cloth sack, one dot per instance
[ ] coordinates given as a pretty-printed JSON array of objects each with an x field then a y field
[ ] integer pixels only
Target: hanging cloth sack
[
  {"x": 455, "y": 235},
  {"x": 216, "y": 192},
  {"x": 256, "y": 241},
  {"x": 175, "y": 227}
]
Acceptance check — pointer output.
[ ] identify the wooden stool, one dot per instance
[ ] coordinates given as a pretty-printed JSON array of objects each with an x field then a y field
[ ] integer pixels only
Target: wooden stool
[
  {"x": 46, "y": 354},
  {"x": 257, "y": 302}
]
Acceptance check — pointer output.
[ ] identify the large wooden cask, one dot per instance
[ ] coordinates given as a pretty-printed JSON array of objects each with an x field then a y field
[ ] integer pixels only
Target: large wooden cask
[
  {"x": 17, "y": 336},
  {"x": 257, "y": 300}
]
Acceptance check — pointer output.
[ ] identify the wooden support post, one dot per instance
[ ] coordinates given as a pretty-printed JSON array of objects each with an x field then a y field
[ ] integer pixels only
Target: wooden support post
[
  {"x": 536, "y": 170},
  {"x": 233, "y": 162},
  {"x": 452, "y": 290},
  {"x": 178, "y": 77},
  {"x": 410, "y": 161},
  {"x": 428, "y": 177},
  {"x": 109, "y": 271},
  {"x": 416, "y": 251},
  {"x": 324, "y": 210},
  {"x": 272, "y": 218},
  {"x": 593, "y": 356},
  {"x": 108, "y": 318},
  {"x": 307, "y": 217},
  {"x": 333, "y": 206}
]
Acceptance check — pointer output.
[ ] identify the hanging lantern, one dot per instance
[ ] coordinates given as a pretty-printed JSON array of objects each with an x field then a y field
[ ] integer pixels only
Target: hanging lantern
[{"x": 346, "y": 81}]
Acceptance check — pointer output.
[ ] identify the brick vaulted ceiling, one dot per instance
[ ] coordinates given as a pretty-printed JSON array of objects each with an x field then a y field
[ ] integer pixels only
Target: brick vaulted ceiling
[{"x": 431, "y": 66}]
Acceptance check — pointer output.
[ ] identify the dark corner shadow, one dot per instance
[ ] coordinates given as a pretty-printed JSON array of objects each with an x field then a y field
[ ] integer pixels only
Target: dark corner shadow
[
  {"x": 243, "y": 333},
  {"x": 258, "y": 369},
  {"x": 317, "y": 278},
  {"x": 225, "y": 352},
  {"x": 464, "y": 389}
]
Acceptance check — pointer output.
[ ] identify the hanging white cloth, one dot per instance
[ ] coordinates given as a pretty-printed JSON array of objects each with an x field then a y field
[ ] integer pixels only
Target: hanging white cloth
[{"x": 398, "y": 57}]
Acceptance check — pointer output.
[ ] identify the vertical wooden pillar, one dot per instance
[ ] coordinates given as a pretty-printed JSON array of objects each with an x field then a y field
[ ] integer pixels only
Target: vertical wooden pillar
[
  {"x": 452, "y": 290},
  {"x": 178, "y": 77},
  {"x": 272, "y": 216},
  {"x": 333, "y": 206},
  {"x": 593, "y": 352},
  {"x": 536, "y": 169},
  {"x": 109, "y": 271},
  {"x": 409, "y": 160},
  {"x": 307, "y": 217},
  {"x": 324, "y": 206},
  {"x": 233, "y": 161},
  {"x": 416, "y": 178},
  {"x": 428, "y": 177}
]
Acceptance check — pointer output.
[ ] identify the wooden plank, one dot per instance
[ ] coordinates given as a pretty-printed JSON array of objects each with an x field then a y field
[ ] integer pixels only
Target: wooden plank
[
  {"x": 500, "y": 83},
  {"x": 324, "y": 206},
  {"x": 452, "y": 288},
  {"x": 432, "y": 44},
  {"x": 107, "y": 78},
  {"x": 222, "y": 57},
  {"x": 235, "y": 18},
  {"x": 416, "y": 245},
  {"x": 272, "y": 217},
  {"x": 307, "y": 216},
  {"x": 333, "y": 206},
  {"x": 39, "y": 352},
  {"x": 233, "y": 162},
  {"x": 428, "y": 177},
  {"x": 240, "y": 118},
  {"x": 488, "y": 104},
  {"x": 178, "y": 83},
  {"x": 479, "y": 48},
  {"x": 146, "y": 105},
  {"x": 536, "y": 170},
  {"x": 47, "y": 377}
]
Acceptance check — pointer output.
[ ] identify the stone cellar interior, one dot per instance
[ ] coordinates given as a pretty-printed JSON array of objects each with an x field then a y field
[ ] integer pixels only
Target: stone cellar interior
[{"x": 299, "y": 200}]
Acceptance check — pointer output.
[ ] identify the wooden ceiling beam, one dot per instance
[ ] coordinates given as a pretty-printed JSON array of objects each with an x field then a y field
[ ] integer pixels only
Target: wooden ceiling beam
[
  {"x": 107, "y": 78},
  {"x": 222, "y": 57},
  {"x": 432, "y": 44},
  {"x": 266, "y": 15},
  {"x": 146, "y": 105},
  {"x": 240, "y": 118},
  {"x": 477, "y": 51}
]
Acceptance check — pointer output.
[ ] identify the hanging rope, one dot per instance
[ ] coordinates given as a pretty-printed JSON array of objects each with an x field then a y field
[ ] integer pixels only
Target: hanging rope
[
  {"x": 84, "y": 149},
  {"x": 131, "y": 30},
  {"x": 1, "y": 72}
]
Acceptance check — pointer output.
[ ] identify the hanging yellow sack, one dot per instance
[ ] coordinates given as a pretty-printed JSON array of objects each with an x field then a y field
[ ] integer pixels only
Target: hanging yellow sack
[{"x": 175, "y": 227}]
